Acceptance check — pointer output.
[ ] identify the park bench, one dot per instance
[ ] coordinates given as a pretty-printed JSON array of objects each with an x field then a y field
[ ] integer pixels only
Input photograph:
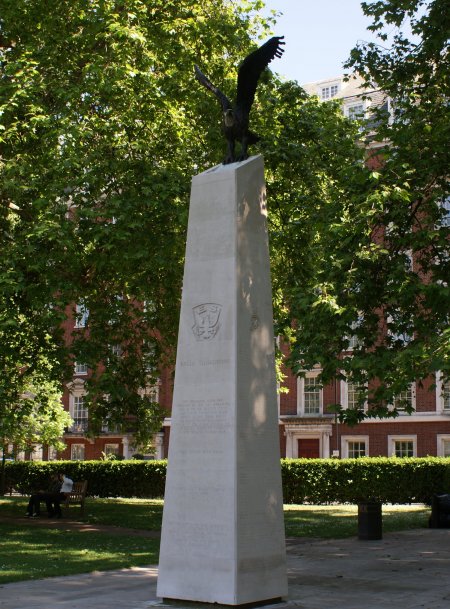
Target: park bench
[{"x": 77, "y": 495}]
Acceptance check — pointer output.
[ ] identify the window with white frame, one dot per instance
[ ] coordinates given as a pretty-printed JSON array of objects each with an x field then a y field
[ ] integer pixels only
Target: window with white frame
[
  {"x": 108, "y": 426},
  {"x": 355, "y": 112},
  {"x": 402, "y": 446},
  {"x": 37, "y": 453},
  {"x": 151, "y": 391},
  {"x": 111, "y": 449},
  {"x": 81, "y": 315},
  {"x": 445, "y": 393},
  {"x": 443, "y": 445},
  {"x": 353, "y": 395},
  {"x": 406, "y": 399},
  {"x": 81, "y": 368},
  {"x": 77, "y": 452},
  {"x": 353, "y": 447},
  {"x": 445, "y": 208},
  {"x": 356, "y": 448},
  {"x": 446, "y": 447},
  {"x": 329, "y": 91},
  {"x": 409, "y": 260},
  {"x": 117, "y": 350},
  {"x": 310, "y": 394},
  {"x": 79, "y": 414},
  {"x": 149, "y": 357},
  {"x": 353, "y": 340},
  {"x": 52, "y": 453}
]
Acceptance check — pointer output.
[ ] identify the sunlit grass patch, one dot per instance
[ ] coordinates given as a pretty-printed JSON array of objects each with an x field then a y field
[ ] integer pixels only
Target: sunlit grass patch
[
  {"x": 143, "y": 514},
  {"x": 31, "y": 552},
  {"x": 338, "y": 521}
]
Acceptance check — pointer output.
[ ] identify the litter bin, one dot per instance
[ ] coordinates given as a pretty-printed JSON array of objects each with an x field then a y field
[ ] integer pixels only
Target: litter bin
[
  {"x": 440, "y": 511},
  {"x": 369, "y": 520}
]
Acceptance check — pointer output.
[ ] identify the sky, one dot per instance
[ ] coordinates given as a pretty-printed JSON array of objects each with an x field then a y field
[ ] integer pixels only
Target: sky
[{"x": 319, "y": 35}]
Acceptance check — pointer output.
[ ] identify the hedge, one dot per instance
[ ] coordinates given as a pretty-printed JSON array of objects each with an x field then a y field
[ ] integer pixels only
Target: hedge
[
  {"x": 389, "y": 480},
  {"x": 317, "y": 481},
  {"x": 105, "y": 478}
]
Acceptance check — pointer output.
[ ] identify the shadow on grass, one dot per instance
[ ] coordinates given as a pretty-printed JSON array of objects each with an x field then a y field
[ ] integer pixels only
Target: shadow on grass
[{"x": 33, "y": 552}]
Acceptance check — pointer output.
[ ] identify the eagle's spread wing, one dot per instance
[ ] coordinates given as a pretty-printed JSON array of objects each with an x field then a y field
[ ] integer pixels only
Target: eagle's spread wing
[
  {"x": 226, "y": 104},
  {"x": 251, "y": 69}
]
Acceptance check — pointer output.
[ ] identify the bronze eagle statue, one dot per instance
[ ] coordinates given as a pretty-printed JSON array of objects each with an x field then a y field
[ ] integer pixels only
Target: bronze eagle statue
[{"x": 236, "y": 119}]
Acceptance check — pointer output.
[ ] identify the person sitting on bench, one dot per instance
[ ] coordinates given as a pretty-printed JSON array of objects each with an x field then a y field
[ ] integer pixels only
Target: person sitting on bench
[
  {"x": 66, "y": 488},
  {"x": 53, "y": 491}
]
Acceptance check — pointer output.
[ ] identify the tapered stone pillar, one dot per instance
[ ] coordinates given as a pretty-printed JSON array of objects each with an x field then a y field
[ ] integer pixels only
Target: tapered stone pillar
[{"x": 222, "y": 537}]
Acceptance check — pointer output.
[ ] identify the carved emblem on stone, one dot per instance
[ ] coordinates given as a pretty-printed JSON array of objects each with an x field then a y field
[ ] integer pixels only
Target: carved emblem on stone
[
  {"x": 206, "y": 318},
  {"x": 254, "y": 323}
]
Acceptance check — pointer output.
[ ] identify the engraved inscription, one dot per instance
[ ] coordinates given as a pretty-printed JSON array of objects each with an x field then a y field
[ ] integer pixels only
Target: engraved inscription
[
  {"x": 204, "y": 416},
  {"x": 214, "y": 362},
  {"x": 206, "y": 320}
]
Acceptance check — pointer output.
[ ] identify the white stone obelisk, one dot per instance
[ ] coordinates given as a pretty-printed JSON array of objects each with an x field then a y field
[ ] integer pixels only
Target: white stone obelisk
[{"x": 222, "y": 537}]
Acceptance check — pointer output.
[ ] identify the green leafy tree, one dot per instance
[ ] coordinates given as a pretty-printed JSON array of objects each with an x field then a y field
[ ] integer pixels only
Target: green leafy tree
[
  {"x": 372, "y": 260},
  {"x": 103, "y": 126},
  {"x": 100, "y": 137},
  {"x": 32, "y": 415}
]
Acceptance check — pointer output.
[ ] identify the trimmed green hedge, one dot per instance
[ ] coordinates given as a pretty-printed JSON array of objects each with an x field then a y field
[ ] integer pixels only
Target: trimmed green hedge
[
  {"x": 316, "y": 481},
  {"x": 105, "y": 478},
  {"x": 389, "y": 480}
]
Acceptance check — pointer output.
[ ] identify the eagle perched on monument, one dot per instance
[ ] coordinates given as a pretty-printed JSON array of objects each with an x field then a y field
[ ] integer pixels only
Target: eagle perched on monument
[{"x": 236, "y": 118}]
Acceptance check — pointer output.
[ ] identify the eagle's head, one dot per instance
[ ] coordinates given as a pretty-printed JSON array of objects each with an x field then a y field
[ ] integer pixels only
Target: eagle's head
[{"x": 228, "y": 118}]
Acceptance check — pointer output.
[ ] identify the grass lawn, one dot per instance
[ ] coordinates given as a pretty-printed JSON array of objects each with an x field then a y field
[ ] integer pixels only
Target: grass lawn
[
  {"x": 31, "y": 552},
  {"x": 28, "y": 551},
  {"x": 338, "y": 521}
]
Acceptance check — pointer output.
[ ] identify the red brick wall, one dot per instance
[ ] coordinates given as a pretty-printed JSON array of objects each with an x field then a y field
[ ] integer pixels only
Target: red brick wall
[
  {"x": 166, "y": 389},
  {"x": 92, "y": 449},
  {"x": 378, "y": 434},
  {"x": 425, "y": 396},
  {"x": 331, "y": 394},
  {"x": 166, "y": 441},
  {"x": 288, "y": 401}
]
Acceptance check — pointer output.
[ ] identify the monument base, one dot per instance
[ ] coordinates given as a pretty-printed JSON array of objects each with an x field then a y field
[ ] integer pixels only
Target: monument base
[
  {"x": 178, "y": 604},
  {"x": 222, "y": 538}
]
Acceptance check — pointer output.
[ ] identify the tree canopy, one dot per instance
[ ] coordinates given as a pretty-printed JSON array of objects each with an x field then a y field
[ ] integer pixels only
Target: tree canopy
[
  {"x": 100, "y": 136},
  {"x": 103, "y": 126},
  {"x": 377, "y": 262}
]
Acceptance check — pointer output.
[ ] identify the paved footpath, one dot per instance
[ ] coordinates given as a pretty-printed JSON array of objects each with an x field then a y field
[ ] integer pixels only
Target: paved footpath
[{"x": 407, "y": 570}]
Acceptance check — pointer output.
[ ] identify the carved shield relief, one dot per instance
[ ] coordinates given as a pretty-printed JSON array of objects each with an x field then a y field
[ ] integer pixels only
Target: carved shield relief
[{"x": 206, "y": 318}]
